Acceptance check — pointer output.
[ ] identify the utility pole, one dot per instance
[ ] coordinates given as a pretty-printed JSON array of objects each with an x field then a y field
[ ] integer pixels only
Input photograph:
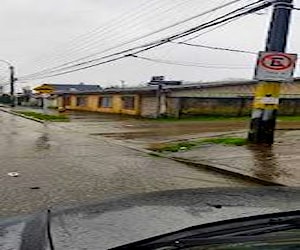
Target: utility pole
[
  {"x": 158, "y": 96},
  {"x": 122, "y": 84},
  {"x": 12, "y": 85},
  {"x": 263, "y": 119}
]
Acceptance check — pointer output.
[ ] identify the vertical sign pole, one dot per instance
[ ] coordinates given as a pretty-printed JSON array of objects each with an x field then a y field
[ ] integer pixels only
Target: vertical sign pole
[
  {"x": 263, "y": 119},
  {"x": 12, "y": 85},
  {"x": 159, "y": 89}
]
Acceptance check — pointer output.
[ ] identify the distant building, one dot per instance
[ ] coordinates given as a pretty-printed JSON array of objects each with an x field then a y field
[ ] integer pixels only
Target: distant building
[
  {"x": 217, "y": 98},
  {"x": 54, "y": 89},
  {"x": 57, "y": 88}
]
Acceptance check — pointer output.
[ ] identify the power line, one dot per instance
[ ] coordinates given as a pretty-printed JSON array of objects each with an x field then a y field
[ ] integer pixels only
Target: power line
[
  {"x": 141, "y": 37},
  {"x": 191, "y": 64},
  {"x": 163, "y": 41},
  {"x": 149, "y": 34},
  {"x": 210, "y": 30},
  {"x": 212, "y": 23},
  {"x": 107, "y": 30},
  {"x": 217, "y": 48},
  {"x": 221, "y": 25},
  {"x": 115, "y": 22},
  {"x": 227, "y": 17},
  {"x": 155, "y": 16}
]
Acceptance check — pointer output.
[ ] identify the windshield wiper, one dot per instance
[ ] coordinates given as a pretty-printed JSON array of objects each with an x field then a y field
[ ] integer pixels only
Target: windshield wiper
[{"x": 229, "y": 231}]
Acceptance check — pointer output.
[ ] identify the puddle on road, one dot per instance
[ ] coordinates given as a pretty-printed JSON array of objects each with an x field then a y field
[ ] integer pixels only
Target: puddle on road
[
  {"x": 134, "y": 135},
  {"x": 43, "y": 142},
  {"x": 266, "y": 165},
  {"x": 158, "y": 131},
  {"x": 86, "y": 116}
]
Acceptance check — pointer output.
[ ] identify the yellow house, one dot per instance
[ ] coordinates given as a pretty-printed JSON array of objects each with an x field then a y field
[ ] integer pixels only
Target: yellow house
[
  {"x": 56, "y": 89},
  {"x": 106, "y": 103}
]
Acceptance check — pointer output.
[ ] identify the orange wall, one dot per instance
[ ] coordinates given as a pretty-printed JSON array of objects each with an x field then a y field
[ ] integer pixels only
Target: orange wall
[{"x": 92, "y": 104}]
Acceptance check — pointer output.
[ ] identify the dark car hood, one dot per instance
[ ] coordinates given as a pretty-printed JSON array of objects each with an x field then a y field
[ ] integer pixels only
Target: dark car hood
[{"x": 120, "y": 221}]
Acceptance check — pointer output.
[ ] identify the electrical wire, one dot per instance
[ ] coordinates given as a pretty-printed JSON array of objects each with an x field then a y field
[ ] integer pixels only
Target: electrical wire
[
  {"x": 81, "y": 39},
  {"x": 146, "y": 35},
  {"x": 192, "y": 64},
  {"x": 156, "y": 18},
  {"x": 217, "y": 48},
  {"x": 105, "y": 32},
  {"x": 227, "y": 18},
  {"x": 165, "y": 12},
  {"x": 156, "y": 45},
  {"x": 217, "y": 21},
  {"x": 210, "y": 30}
]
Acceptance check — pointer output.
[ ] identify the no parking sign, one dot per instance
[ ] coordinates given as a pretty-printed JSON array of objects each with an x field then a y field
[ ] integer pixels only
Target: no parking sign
[{"x": 275, "y": 66}]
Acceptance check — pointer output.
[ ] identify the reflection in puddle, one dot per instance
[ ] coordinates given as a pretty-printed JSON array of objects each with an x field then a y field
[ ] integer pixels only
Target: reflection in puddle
[
  {"x": 42, "y": 142},
  {"x": 129, "y": 135},
  {"x": 266, "y": 165}
]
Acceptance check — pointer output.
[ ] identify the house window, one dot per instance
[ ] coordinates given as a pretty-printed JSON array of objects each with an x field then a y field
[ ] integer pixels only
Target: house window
[
  {"x": 128, "y": 102},
  {"x": 105, "y": 102},
  {"x": 81, "y": 101}
]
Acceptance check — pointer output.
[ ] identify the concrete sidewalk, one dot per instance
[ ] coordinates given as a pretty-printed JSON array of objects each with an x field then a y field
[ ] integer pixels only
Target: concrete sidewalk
[{"x": 276, "y": 165}]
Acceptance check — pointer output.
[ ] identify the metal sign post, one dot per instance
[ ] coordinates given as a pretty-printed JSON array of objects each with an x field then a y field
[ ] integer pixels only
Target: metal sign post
[{"x": 273, "y": 67}]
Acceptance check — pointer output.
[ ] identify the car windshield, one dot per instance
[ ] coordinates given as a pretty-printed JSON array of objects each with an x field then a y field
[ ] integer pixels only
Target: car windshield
[{"x": 147, "y": 116}]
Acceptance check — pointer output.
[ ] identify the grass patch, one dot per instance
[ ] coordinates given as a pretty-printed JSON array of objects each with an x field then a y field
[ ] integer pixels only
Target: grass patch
[
  {"x": 235, "y": 141},
  {"x": 45, "y": 117},
  {"x": 289, "y": 118},
  {"x": 187, "y": 145}
]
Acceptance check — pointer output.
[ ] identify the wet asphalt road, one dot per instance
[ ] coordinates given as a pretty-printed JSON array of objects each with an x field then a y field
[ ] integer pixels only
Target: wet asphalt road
[{"x": 63, "y": 167}]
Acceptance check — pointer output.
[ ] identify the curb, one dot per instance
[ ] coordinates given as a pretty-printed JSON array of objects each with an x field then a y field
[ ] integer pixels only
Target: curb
[
  {"x": 223, "y": 169},
  {"x": 21, "y": 115}
]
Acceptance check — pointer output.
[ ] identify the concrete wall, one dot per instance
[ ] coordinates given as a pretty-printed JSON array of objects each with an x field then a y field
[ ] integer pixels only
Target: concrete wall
[
  {"x": 173, "y": 107},
  {"x": 215, "y": 106},
  {"x": 149, "y": 106},
  {"x": 289, "y": 106},
  {"x": 218, "y": 91},
  {"x": 59, "y": 101},
  {"x": 239, "y": 106},
  {"x": 288, "y": 90}
]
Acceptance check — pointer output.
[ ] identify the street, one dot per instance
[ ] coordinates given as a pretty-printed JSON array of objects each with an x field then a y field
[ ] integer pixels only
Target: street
[{"x": 61, "y": 167}]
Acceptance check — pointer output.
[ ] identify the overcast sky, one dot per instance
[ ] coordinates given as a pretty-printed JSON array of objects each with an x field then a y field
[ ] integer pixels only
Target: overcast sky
[{"x": 38, "y": 34}]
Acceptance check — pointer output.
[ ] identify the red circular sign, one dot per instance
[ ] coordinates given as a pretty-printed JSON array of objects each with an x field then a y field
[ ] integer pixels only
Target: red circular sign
[{"x": 276, "y": 61}]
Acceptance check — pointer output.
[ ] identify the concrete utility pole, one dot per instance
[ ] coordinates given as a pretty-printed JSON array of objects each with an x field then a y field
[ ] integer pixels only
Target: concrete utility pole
[
  {"x": 12, "y": 81},
  {"x": 263, "y": 120},
  {"x": 158, "y": 94},
  {"x": 12, "y": 85},
  {"x": 122, "y": 84}
]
